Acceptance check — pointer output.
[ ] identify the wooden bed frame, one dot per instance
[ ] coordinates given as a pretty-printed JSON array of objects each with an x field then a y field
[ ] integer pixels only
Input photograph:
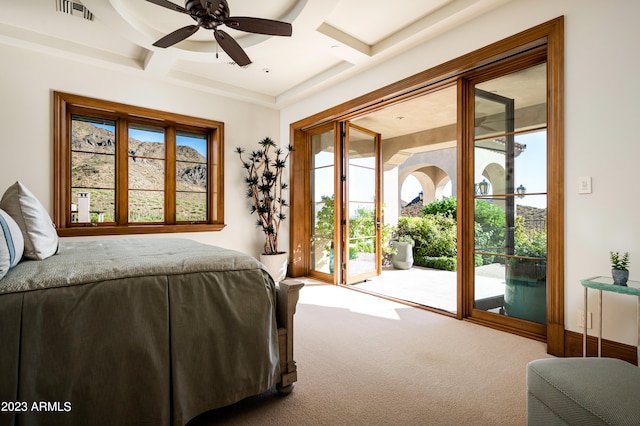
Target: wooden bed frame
[{"x": 287, "y": 299}]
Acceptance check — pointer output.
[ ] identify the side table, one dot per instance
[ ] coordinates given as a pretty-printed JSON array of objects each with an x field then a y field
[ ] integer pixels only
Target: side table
[{"x": 606, "y": 284}]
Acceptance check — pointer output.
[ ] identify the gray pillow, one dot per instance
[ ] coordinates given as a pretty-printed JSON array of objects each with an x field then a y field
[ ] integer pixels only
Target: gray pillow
[
  {"x": 11, "y": 243},
  {"x": 38, "y": 231}
]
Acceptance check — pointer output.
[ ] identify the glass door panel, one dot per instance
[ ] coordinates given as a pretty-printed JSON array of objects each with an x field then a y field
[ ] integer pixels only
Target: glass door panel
[
  {"x": 362, "y": 222},
  {"x": 419, "y": 151},
  {"x": 322, "y": 202},
  {"x": 510, "y": 211}
]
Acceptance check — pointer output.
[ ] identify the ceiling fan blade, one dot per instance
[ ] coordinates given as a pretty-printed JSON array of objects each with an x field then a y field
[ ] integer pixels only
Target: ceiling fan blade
[
  {"x": 259, "y": 26},
  {"x": 169, "y": 5},
  {"x": 176, "y": 36},
  {"x": 232, "y": 48}
]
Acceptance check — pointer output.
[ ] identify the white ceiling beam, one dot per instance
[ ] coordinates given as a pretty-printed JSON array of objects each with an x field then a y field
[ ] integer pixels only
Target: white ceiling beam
[
  {"x": 348, "y": 47},
  {"x": 317, "y": 82},
  {"x": 158, "y": 62},
  {"x": 62, "y": 48},
  {"x": 438, "y": 22}
]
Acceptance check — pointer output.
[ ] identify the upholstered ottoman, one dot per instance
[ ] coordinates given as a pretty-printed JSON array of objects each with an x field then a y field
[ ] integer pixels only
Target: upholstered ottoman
[{"x": 583, "y": 391}]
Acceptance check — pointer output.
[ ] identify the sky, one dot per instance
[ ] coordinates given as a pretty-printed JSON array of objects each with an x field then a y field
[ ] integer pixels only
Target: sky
[
  {"x": 531, "y": 169},
  {"x": 198, "y": 144},
  {"x": 531, "y": 164},
  {"x": 143, "y": 135}
]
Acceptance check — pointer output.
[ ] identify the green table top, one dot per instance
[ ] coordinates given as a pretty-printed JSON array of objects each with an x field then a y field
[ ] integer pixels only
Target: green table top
[{"x": 606, "y": 284}]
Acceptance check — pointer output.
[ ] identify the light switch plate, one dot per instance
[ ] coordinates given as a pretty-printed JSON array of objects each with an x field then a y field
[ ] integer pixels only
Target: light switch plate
[{"x": 584, "y": 185}]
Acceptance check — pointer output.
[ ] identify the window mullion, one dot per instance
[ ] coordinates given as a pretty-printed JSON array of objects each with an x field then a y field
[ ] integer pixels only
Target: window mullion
[
  {"x": 170, "y": 175},
  {"x": 214, "y": 189},
  {"x": 122, "y": 172}
]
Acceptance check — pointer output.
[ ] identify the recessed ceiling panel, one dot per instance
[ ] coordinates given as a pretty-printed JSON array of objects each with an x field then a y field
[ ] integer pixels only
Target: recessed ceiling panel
[
  {"x": 371, "y": 21},
  {"x": 269, "y": 73}
]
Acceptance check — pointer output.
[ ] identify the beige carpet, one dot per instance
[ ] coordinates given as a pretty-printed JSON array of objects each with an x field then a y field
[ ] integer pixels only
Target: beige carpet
[{"x": 363, "y": 360}]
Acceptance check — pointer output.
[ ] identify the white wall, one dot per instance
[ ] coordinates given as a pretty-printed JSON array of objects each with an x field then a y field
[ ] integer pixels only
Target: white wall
[
  {"x": 602, "y": 38},
  {"x": 27, "y": 79},
  {"x": 391, "y": 195}
]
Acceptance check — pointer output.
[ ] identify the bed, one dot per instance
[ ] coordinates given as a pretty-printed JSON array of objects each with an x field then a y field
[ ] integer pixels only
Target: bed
[{"x": 143, "y": 331}]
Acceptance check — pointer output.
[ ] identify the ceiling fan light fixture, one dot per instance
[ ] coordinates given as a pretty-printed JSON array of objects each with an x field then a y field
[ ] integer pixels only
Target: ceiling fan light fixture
[{"x": 212, "y": 14}]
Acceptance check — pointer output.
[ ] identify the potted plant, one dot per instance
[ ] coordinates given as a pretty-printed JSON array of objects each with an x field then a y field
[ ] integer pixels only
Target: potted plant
[
  {"x": 403, "y": 248},
  {"x": 525, "y": 294},
  {"x": 619, "y": 267},
  {"x": 264, "y": 168}
]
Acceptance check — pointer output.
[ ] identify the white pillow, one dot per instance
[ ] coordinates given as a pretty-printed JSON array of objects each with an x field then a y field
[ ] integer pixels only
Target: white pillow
[
  {"x": 11, "y": 243},
  {"x": 38, "y": 231}
]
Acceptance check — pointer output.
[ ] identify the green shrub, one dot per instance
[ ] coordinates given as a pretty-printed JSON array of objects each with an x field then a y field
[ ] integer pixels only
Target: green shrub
[
  {"x": 490, "y": 225},
  {"x": 529, "y": 243},
  {"x": 492, "y": 220},
  {"x": 362, "y": 227},
  {"x": 324, "y": 220},
  {"x": 434, "y": 235},
  {"x": 447, "y": 206},
  {"x": 443, "y": 263}
]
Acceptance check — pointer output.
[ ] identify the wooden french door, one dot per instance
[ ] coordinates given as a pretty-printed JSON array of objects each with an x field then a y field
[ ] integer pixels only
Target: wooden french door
[
  {"x": 361, "y": 210},
  {"x": 345, "y": 185},
  {"x": 538, "y": 139}
]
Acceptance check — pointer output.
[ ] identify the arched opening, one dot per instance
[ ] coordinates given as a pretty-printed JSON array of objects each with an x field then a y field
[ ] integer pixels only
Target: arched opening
[{"x": 420, "y": 187}]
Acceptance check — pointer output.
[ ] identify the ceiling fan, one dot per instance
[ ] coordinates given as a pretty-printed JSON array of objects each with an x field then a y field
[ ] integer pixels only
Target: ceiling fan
[{"x": 210, "y": 15}]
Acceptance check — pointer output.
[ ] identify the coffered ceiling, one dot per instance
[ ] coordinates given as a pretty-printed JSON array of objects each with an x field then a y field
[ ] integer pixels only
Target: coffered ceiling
[{"x": 332, "y": 40}]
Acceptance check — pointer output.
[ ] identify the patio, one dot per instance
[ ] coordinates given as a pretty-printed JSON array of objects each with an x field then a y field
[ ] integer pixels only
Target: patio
[{"x": 432, "y": 287}]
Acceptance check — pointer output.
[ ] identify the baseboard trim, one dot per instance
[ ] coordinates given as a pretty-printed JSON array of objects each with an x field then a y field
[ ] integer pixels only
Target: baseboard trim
[{"x": 573, "y": 348}]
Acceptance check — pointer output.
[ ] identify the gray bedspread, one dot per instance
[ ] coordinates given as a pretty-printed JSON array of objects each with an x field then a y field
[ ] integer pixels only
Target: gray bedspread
[{"x": 134, "y": 332}]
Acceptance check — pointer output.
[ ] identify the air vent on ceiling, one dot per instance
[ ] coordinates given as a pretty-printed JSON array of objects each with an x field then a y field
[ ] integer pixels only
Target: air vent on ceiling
[{"x": 74, "y": 8}]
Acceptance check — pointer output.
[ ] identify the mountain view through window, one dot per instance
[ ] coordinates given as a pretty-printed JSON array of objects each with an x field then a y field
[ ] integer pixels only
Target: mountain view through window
[{"x": 93, "y": 173}]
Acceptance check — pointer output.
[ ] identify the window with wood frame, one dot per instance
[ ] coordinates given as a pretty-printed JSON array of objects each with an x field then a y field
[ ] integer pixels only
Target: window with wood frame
[{"x": 121, "y": 169}]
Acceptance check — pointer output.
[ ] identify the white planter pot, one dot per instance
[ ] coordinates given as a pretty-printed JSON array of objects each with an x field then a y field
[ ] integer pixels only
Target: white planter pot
[
  {"x": 403, "y": 259},
  {"x": 276, "y": 265}
]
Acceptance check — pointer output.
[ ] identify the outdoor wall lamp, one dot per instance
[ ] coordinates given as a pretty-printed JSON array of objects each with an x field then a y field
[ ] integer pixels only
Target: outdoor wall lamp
[
  {"x": 521, "y": 190},
  {"x": 482, "y": 188}
]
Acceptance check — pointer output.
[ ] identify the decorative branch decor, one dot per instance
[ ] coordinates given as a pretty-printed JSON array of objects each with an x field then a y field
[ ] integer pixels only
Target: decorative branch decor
[{"x": 265, "y": 187}]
